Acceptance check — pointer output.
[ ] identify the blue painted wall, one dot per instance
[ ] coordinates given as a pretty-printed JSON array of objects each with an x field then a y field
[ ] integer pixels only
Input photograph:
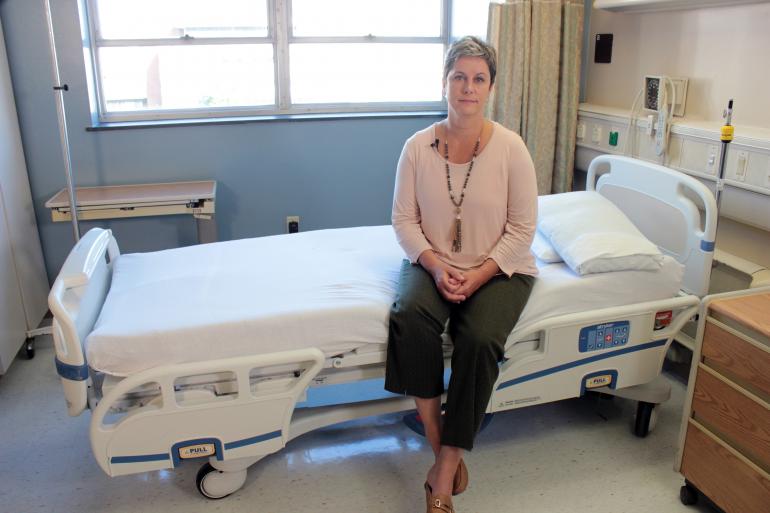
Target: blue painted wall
[{"x": 332, "y": 173}]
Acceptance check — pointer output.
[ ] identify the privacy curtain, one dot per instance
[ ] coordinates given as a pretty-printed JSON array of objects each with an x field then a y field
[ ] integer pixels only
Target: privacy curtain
[{"x": 539, "y": 43}]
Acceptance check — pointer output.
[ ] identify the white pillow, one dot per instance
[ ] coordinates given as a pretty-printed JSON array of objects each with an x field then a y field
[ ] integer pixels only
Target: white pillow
[
  {"x": 592, "y": 235},
  {"x": 543, "y": 250}
]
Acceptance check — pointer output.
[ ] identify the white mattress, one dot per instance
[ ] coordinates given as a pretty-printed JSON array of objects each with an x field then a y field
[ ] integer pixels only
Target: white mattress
[{"x": 330, "y": 289}]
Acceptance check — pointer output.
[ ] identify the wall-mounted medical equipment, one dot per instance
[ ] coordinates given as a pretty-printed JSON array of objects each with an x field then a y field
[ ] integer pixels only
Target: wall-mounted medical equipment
[
  {"x": 693, "y": 148},
  {"x": 663, "y": 98},
  {"x": 664, "y": 5},
  {"x": 659, "y": 89}
]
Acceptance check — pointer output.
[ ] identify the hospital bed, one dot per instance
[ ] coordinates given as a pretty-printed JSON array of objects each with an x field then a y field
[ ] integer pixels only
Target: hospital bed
[{"x": 211, "y": 351}]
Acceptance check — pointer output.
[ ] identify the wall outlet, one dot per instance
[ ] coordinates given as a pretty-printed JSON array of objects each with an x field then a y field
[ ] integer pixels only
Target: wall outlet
[
  {"x": 741, "y": 165},
  {"x": 292, "y": 224},
  {"x": 581, "y": 131},
  {"x": 680, "y": 86},
  {"x": 596, "y": 135},
  {"x": 711, "y": 160},
  {"x": 767, "y": 177}
]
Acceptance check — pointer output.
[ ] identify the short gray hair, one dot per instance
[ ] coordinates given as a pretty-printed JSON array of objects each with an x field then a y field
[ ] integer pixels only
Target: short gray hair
[{"x": 471, "y": 46}]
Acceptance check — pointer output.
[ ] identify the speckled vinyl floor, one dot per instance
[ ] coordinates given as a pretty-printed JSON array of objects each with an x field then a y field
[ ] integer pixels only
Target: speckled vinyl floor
[{"x": 573, "y": 456}]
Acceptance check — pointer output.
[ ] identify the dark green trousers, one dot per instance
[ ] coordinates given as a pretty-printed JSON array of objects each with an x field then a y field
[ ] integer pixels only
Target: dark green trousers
[{"x": 479, "y": 327}]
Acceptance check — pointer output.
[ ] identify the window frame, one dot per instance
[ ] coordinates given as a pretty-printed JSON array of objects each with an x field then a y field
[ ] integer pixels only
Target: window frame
[{"x": 279, "y": 36}]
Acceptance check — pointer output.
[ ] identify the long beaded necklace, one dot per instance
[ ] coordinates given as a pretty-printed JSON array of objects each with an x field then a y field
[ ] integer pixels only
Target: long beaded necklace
[{"x": 457, "y": 239}]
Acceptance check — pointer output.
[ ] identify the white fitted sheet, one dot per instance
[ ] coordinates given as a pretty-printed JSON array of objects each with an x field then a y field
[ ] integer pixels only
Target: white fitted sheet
[{"x": 330, "y": 289}]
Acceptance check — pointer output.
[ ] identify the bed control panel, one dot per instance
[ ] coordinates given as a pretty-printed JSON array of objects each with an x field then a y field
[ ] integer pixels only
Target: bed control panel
[{"x": 604, "y": 336}]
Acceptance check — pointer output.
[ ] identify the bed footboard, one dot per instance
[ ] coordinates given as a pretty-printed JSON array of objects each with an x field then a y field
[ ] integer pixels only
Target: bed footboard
[
  {"x": 246, "y": 417},
  {"x": 75, "y": 300}
]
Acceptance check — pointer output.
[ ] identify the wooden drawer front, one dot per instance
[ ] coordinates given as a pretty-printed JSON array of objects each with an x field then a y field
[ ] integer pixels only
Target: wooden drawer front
[
  {"x": 735, "y": 486},
  {"x": 748, "y": 364},
  {"x": 742, "y": 422}
]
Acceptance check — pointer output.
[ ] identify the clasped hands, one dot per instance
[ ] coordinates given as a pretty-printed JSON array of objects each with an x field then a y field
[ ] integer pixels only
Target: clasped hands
[{"x": 453, "y": 284}]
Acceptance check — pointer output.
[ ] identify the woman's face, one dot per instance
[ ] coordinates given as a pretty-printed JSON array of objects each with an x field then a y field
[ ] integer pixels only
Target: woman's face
[{"x": 467, "y": 86}]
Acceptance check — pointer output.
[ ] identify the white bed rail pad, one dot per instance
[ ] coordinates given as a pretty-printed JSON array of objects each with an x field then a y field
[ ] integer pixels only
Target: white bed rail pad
[
  {"x": 75, "y": 300},
  {"x": 673, "y": 210},
  {"x": 251, "y": 421}
]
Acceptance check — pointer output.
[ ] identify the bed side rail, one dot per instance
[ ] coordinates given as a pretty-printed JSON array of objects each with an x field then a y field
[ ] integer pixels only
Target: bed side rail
[
  {"x": 686, "y": 303},
  {"x": 562, "y": 362},
  {"x": 666, "y": 206},
  {"x": 75, "y": 300},
  {"x": 250, "y": 420}
]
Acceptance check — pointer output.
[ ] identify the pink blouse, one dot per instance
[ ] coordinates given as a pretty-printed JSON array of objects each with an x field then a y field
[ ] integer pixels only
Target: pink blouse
[{"x": 499, "y": 212}]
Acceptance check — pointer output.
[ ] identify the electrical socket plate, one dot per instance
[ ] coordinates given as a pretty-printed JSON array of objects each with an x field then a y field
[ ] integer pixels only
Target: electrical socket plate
[
  {"x": 680, "y": 86},
  {"x": 767, "y": 176},
  {"x": 581, "y": 131},
  {"x": 711, "y": 162},
  {"x": 291, "y": 219},
  {"x": 596, "y": 135},
  {"x": 741, "y": 165}
]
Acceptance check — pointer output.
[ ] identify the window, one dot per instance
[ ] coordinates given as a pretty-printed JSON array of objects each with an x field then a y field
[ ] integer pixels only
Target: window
[{"x": 165, "y": 59}]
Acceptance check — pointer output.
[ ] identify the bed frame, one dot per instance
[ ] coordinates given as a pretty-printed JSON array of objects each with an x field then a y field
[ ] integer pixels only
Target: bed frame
[{"x": 236, "y": 411}]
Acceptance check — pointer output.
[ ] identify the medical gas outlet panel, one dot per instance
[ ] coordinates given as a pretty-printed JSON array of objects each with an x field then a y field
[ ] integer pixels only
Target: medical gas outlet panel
[{"x": 694, "y": 148}]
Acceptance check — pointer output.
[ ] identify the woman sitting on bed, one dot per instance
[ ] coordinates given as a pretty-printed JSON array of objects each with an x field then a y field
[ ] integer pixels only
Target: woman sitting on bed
[{"x": 464, "y": 212}]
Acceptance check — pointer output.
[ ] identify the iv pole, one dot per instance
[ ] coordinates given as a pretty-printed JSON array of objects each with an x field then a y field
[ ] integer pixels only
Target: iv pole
[
  {"x": 726, "y": 135},
  {"x": 65, "y": 144}
]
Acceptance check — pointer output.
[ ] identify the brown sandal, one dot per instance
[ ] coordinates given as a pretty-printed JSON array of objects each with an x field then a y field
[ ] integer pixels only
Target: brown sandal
[
  {"x": 460, "y": 481},
  {"x": 437, "y": 503}
]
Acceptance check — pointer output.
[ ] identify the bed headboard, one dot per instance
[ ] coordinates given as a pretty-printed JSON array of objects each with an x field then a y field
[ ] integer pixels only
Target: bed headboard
[{"x": 673, "y": 210}]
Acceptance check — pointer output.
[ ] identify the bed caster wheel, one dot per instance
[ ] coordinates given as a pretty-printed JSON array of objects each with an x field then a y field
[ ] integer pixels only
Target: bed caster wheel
[
  {"x": 688, "y": 494},
  {"x": 29, "y": 349},
  {"x": 216, "y": 484},
  {"x": 646, "y": 418}
]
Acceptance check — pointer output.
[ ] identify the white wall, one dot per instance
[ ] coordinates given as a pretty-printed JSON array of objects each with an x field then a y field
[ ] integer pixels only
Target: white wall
[{"x": 724, "y": 51}]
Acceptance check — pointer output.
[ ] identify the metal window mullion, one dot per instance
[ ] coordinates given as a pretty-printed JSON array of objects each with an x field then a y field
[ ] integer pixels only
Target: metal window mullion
[
  {"x": 367, "y": 39},
  {"x": 306, "y": 108},
  {"x": 282, "y": 12},
  {"x": 446, "y": 21},
  {"x": 93, "y": 15},
  {"x": 207, "y": 41},
  {"x": 179, "y": 114}
]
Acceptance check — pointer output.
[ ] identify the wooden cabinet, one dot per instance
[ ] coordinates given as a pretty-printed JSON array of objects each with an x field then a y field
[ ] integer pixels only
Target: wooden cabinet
[{"x": 725, "y": 444}]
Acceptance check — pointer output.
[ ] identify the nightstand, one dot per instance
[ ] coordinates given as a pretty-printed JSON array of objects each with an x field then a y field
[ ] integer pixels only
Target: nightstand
[{"x": 724, "y": 450}]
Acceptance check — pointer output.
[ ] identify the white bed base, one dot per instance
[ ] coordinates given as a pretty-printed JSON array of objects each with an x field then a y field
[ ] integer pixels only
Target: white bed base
[{"x": 235, "y": 411}]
